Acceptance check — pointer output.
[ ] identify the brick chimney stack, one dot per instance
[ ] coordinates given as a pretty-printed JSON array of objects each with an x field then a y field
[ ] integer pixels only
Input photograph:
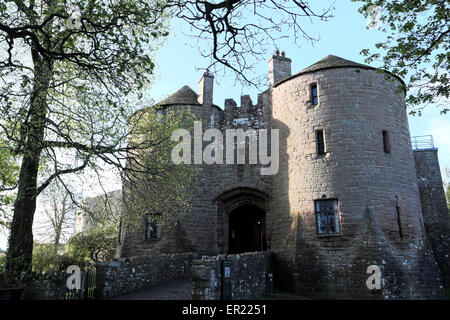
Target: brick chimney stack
[
  {"x": 205, "y": 88},
  {"x": 279, "y": 68}
]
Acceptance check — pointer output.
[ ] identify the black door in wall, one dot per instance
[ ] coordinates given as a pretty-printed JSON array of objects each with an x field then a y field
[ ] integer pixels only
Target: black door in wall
[{"x": 247, "y": 229}]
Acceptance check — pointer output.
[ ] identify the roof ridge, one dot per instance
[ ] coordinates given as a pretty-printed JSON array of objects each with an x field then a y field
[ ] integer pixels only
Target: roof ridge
[
  {"x": 183, "y": 96},
  {"x": 332, "y": 61}
]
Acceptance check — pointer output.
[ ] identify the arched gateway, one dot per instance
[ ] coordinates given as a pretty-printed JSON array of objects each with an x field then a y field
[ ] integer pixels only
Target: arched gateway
[{"x": 242, "y": 215}]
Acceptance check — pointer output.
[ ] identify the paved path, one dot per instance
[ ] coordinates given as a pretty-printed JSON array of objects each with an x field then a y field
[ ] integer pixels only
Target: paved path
[{"x": 180, "y": 289}]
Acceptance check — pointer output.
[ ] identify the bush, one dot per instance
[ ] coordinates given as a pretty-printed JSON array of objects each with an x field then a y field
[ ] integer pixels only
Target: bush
[
  {"x": 2, "y": 259},
  {"x": 96, "y": 245}
]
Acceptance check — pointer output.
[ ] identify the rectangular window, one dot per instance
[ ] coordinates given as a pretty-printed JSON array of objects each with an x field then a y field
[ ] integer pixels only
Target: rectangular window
[
  {"x": 327, "y": 216},
  {"x": 320, "y": 143},
  {"x": 314, "y": 95},
  {"x": 153, "y": 226},
  {"x": 386, "y": 143}
]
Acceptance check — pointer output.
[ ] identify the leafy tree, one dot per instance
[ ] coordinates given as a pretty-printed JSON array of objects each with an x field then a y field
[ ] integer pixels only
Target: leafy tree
[
  {"x": 59, "y": 215},
  {"x": 2, "y": 259},
  {"x": 8, "y": 180},
  {"x": 46, "y": 259},
  {"x": 66, "y": 92},
  {"x": 417, "y": 49},
  {"x": 73, "y": 72},
  {"x": 96, "y": 245}
]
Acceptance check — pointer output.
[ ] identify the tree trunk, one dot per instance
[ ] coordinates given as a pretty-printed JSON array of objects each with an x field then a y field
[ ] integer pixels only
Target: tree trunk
[
  {"x": 20, "y": 247},
  {"x": 57, "y": 238}
]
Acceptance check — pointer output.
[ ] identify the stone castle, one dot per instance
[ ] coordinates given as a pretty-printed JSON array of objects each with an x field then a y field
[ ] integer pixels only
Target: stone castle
[{"x": 350, "y": 191}]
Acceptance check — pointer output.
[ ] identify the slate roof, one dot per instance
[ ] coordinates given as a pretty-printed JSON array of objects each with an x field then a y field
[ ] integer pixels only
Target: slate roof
[
  {"x": 184, "y": 96},
  {"x": 330, "y": 62}
]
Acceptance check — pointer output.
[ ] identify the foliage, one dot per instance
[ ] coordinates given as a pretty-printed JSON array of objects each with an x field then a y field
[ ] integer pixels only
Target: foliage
[
  {"x": 417, "y": 49},
  {"x": 59, "y": 215},
  {"x": 46, "y": 259},
  {"x": 96, "y": 245},
  {"x": 89, "y": 79},
  {"x": 2, "y": 259},
  {"x": 166, "y": 187},
  {"x": 8, "y": 179},
  {"x": 73, "y": 72},
  {"x": 67, "y": 92}
]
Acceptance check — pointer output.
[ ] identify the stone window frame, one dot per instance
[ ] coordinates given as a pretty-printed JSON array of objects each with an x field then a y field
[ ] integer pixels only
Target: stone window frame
[
  {"x": 158, "y": 227},
  {"x": 310, "y": 95},
  {"x": 337, "y": 218},
  {"x": 324, "y": 135}
]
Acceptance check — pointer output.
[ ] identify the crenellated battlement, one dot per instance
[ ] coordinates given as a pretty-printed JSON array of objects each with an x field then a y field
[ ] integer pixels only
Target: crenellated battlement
[{"x": 247, "y": 114}]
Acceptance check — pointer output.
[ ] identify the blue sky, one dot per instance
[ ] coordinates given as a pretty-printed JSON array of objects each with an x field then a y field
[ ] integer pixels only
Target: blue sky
[{"x": 179, "y": 63}]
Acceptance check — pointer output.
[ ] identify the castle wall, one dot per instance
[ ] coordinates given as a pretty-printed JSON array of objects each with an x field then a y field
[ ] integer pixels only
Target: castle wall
[
  {"x": 374, "y": 183},
  {"x": 355, "y": 106},
  {"x": 248, "y": 276},
  {"x": 203, "y": 228},
  {"x": 434, "y": 208}
]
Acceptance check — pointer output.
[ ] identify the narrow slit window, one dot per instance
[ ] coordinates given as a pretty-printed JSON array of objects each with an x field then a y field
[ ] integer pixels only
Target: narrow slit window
[
  {"x": 399, "y": 223},
  {"x": 320, "y": 143},
  {"x": 120, "y": 230},
  {"x": 212, "y": 120},
  {"x": 386, "y": 143},
  {"x": 314, "y": 95}
]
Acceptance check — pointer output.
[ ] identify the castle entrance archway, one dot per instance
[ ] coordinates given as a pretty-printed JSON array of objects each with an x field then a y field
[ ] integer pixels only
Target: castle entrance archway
[
  {"x": 247, "y": 229},
  {"x": 243, "y": 220}
]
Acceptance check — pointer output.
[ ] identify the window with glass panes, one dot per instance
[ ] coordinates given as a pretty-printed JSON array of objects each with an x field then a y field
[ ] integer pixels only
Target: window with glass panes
[{"x": 327, "y": 216}]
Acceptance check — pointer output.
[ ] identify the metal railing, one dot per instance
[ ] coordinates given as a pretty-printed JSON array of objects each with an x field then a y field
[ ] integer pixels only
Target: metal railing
[{"x": 422, "y": 142}]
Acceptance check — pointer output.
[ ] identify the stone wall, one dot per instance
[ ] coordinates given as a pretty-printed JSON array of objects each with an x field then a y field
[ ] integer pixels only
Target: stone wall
[
  {"x": 248, "y": 275},
  {"x": 355, "y": 106},
  {"x": 44, "y": 285},
  {"x": 380, "y": 213},
  {"x": 130, "y": 274},
  {"x": 434, "y": 208},
  {"x": 204, "y": 228}
]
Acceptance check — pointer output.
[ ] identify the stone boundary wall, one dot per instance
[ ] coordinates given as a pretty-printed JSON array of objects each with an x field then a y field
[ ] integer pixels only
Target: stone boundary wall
[
  {"x": 248, "y": 275},
  {"x": 49, "y": 285},
  {"x": 130, "y": 274}
]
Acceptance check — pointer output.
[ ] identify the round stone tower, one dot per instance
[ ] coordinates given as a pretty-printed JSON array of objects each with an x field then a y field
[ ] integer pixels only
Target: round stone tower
[{"x": 346, "y": 195}]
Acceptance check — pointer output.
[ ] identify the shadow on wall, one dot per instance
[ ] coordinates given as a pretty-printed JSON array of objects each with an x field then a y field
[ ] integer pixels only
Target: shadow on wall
[{"x": 282, "y": 225}]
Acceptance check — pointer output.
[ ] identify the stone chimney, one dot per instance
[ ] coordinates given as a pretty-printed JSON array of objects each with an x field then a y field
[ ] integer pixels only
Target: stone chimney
[
  {"x": 279, "y": 68},
  {"x": 205, "y": 88}
]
